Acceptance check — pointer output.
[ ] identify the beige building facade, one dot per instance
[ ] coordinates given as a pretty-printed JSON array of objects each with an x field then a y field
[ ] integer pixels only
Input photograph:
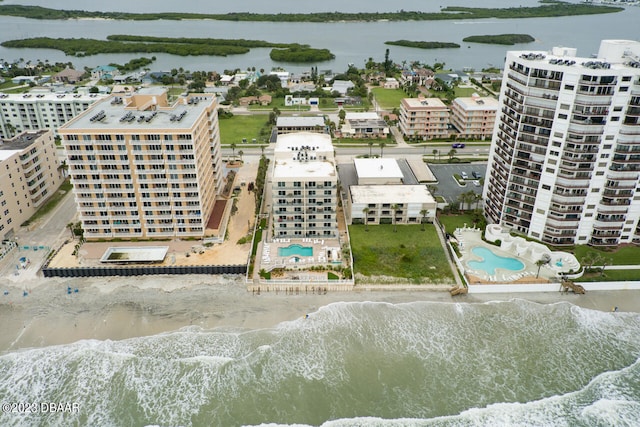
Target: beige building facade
[
  {"x": 424, "y": 118},
  {"x": 142, "y": 167},
  {"x": 29, "y": 174},
  {"x": 474, "y": 117}
]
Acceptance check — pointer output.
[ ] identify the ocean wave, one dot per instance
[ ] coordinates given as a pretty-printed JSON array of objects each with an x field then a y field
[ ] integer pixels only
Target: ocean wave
[{"x": 357, "y": 363}]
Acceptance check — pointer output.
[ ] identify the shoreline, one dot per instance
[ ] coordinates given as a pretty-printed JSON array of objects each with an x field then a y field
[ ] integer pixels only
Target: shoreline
[{"x": 118, "y": 308}]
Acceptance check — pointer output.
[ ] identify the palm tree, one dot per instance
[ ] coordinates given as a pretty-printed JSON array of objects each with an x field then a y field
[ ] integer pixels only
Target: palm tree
[
  {"x": 605, "y": 262},
  {"x": 370, "y": 144},
  {"x": 478, "y": 199},
  {"x": 545, "y": 259},
  {"x": 434, "y": 152},
  {"x": 452, "y": 153},
  {"x": 240, "y": 153},
  {"x": 424, "y": 213},
  {"x": 233, "y": 148},
  {"x": 432, "y": 189},
  {"x": 365, "y": 211},
  {"x": 262, "y": 149},
  {"x": 70, "y": 227},
  {"x": 394, "y": 209},
  {"x": 382, "y": 145}
]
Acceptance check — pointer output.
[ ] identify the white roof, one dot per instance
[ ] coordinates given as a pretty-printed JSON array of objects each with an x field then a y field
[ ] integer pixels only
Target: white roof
[
  {"x": 377, "y": 168},
  {"x": 425, "y": 102},
  {"x": 370, "y": 115},
  {"x": 477, "y": 103},
  {"x": 417, "y": 194},
  {"x": 291, "y": 141},
  {"x": 316, "y": 170},
  {"x": 300, "y": 121},
  {"x": 5, "y": 154}
]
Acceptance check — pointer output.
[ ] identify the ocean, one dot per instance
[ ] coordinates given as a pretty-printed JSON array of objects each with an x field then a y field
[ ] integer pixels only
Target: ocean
[{"x": 349, "y": 364}]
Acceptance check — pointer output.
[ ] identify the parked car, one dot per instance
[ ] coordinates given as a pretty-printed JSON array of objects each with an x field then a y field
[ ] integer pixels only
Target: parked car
[
  {"x": 476, "y": 183},
  {"x": 476, "y": 175},
  {"x": 457, "y": 145},
  {"x": 464, "y": 175}
]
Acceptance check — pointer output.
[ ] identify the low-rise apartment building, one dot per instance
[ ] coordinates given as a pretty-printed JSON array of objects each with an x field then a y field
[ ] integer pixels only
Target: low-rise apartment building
[
  {"x": 424, "y": 118},
  {"x": 144, "y": 168},
  {"x": 364, "y": 125},
  {"x": 29, "y": 174},
  {"x": 474, "y": 117},
  {"x": 304, "y": 186},
  {"x": 300, "y": 124}
]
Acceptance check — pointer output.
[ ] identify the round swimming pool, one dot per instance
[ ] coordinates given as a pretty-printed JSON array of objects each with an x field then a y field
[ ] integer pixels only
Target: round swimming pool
[
  {"x": 295, "y": 250},
  {"x": 491, "y": 261}
]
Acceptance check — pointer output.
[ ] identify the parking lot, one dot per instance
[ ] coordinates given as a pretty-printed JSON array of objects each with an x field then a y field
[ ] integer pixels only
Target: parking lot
[{"x": 447, "y": 185}]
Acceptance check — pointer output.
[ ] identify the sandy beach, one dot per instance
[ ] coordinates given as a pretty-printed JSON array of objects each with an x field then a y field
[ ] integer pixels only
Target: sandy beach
[{"x": 118, "y": 308}]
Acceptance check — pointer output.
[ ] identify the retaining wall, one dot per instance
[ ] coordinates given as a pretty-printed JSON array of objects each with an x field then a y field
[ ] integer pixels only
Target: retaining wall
[{"x": 143, "y": 270}]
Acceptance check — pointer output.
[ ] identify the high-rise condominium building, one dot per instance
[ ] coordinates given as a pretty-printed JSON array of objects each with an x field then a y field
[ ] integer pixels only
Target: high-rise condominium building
[
  {"x": 29, "y": 174},
  {"x": 144, "y": 168},
  {"x": 304, "y": 186},
  {"x": 564, "y": 165},
  {"x": 35, "y": 111}
]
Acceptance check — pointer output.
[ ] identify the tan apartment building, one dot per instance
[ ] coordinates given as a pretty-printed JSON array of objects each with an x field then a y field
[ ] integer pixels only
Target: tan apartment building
[
  {"x": 474, "y": 117},
  {"x": 144, "y": 168},
  {"x": 29, "y": 174},
  {"x": 424, "y": 118}
]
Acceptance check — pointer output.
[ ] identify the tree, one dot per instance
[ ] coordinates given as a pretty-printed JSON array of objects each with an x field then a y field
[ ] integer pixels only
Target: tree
[
  {"x": 432, "y": 189},
  {"x": 605, "y": 262},
  {"x": 452, "y": 153},
  {"x": 394, "y": 210},
  {"x": 545, "y": 259},
  {"x": 365, "y": 211},
  {"x": 434, "y": 152},
  {"x": 382, "y": 145},
  {"x": 262, "y": 148},
  {"x": 424, "y": 213},
  {"x": 233, "y": 148},
  {"x": 370, "y": 144},
  {"x": 70, "y": 227},
  {"x": 240, "y": 153},
  {"x": 342, "y": 115}
]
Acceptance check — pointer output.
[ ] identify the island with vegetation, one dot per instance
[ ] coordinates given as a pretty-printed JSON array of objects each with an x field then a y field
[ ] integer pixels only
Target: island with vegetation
[
  {"x": 290, "y": 52},
  {"x": 422, "y": 44},
  {"x": 505, "y": 39},
  {"x": 549, "y": 8}
]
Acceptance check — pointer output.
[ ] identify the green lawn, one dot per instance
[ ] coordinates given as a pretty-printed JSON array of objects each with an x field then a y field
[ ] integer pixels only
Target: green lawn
[
  {"x": 611, "y": 275},
  {"x": 365, "y": 141},
  {"x": 243, "y": 126},
  {"x": 624, "y": 255},
  {"x": 388, "y": 98},
  {"x": 453, "y": 221},
  {"x": 409, "y": 253},
  {"x": 464, "y": 92}
]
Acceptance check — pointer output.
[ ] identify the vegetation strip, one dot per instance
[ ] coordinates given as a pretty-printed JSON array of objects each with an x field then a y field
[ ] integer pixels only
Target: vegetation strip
[
  {"x": 548, "y": 9},
  {"x": 505, "y": 39},
  {"x": 423, "y": 45},
  {"x": 289, "y": 52}
]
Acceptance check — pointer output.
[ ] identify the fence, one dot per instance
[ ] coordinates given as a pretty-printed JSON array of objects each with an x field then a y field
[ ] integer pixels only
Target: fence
[
  {"x": 296, "y": 287},
  {"x": 143, "y": 270}
]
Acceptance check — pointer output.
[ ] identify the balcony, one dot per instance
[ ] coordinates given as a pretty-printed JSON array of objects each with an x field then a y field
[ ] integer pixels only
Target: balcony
[{"x": 568, "y": 199}]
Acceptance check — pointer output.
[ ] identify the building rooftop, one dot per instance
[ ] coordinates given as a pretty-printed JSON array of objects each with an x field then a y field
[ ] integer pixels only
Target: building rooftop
[
  {"x": 122, "y": 254},
  {"x": 300, "y": 121},
  {"x": 390, "y": 194},
  {"x": 377, "y": 168},
  {"x": 146, "y": 113},
  {"x": 40, "y": 97},
  {"x": 318, "y": 169},
  {"x": 19, "y": 142},
  {"x": 477, "y": 103},
  {"x": 291, "y": 142},
  {"x": 424, "y": 102}
]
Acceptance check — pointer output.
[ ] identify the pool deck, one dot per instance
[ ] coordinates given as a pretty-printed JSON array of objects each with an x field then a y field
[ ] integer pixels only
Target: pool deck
[
  {"x": 470, "y": 238},
  {"x": 325, "y": 252}
]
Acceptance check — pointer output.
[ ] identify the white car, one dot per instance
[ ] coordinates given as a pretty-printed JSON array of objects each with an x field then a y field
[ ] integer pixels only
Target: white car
[
  {"x": 464, "y": 175},
  {"x": 476, "y": 183}
]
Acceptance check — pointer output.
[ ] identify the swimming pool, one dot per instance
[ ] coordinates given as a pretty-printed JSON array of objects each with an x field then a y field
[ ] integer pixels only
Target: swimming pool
[
  {"x": 491, "y": 261},
  {"x": 295, "y": 250}
]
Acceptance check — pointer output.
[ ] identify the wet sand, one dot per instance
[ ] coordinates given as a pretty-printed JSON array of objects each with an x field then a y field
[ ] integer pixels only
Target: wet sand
[{"x": 118, "y": 308}]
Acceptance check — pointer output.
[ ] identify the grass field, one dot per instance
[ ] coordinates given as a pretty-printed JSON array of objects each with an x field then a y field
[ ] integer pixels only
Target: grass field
[
  {"x": 451, "y": 222},
  {"x": 238, "y": 127},
  {"x": 611, "y": 276},
  {"x": 388, "y": 98},
  {"x": 464, "y": 92},
  {"x": 624, "y": 255},
  {"x": 409, "y": 253}
]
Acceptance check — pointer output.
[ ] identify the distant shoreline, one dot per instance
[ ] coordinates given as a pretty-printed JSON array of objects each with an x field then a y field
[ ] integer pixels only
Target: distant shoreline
[{"x": 548, "y": 9}]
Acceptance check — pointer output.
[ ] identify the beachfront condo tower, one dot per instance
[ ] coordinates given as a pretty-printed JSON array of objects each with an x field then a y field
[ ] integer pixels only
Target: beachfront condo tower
[
  {"x": 564, "y": 163},
  {"x": 304, "y": 186},
  {"x": 143, "y": 167}
]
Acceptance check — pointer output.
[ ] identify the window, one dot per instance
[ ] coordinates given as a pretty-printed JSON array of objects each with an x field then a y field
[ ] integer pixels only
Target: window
[
  {"x": 569, "y": 87},
  {"x": 562, "y": 116}
]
